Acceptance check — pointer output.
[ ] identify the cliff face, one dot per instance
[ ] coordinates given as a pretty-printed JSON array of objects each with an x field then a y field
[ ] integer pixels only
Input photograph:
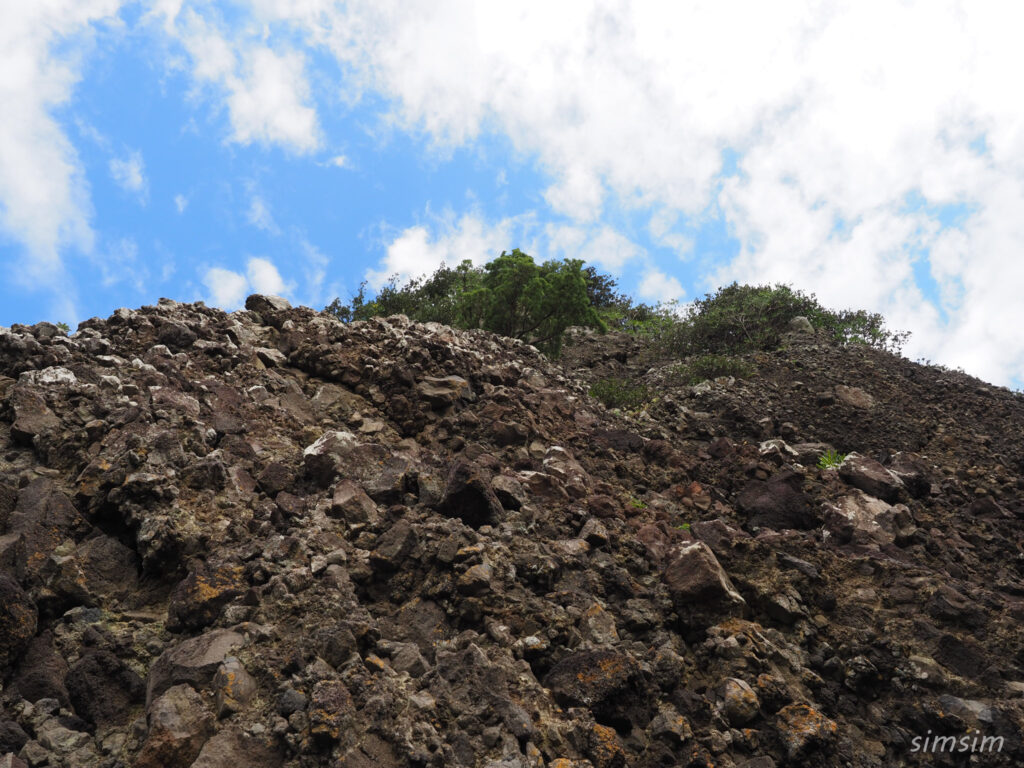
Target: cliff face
[{"x": 270, "y": 539}]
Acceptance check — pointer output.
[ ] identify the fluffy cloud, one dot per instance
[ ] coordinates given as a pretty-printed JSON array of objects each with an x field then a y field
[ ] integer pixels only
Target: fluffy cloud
[
  {"x": 418, "y": 251},
  {"x": 44, "y": 198},
  {"x": 227, "y": 289},
  {"x": 265, "y": 88},
  {"x": 656, "y": 286}
]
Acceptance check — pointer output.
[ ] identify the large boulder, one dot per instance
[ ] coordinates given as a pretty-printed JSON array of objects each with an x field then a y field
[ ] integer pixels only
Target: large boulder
[
  {"x": 607, "y": 682},
  {"x": 193, "y": 661},
  {"x": 468, "y": 496}
]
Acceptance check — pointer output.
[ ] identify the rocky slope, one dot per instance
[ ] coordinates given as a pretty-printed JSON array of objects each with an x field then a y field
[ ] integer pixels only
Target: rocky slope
[{"x": 269, "y": 539}]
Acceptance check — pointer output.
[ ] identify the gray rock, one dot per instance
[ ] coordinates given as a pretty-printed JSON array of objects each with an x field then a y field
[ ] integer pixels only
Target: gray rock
[{"x": 871, "y": 477}]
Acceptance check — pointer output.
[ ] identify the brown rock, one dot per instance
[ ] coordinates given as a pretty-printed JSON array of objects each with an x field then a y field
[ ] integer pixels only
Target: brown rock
[
  {"x": 232, "y": 748},
  {"x": 468, "y": 496},
  {"x": 197, "y": 600},
  {"x": 179, "y": 725},
  {"x": 871, "y": 477},
  {"x": 192, "y": 661},
  {"x": 803, "y": 729},
  {"x": 330, "y": 708},
  {"x": 103, "y": 689},
  {"x": 699, "y": 586}
]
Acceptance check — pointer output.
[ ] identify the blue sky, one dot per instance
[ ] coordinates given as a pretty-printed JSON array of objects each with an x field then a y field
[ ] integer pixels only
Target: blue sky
[{"x": 203, "y": 150}]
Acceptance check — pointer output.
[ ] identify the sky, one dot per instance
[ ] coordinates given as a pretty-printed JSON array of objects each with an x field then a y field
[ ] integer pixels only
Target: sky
[{"x": 871, "y": 153}]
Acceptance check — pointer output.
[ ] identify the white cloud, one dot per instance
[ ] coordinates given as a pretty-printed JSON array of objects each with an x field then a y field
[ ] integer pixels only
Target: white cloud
[
  {"x": 340, "y": 161},
  {"x": 129, "y": 173},
  {"x": 44, "y": 197},
  {"x": 226, "y": 289},
  {"x": 265, "y": 89},
  {"x": 417, "y": 251},
  {"x": 259, "y": 215},
  {"x": 264, "y": 278},
  {"x": 656, "y": 286},
  {"x": 599, "y": 244},
  {"x": 180, "y": 203}
]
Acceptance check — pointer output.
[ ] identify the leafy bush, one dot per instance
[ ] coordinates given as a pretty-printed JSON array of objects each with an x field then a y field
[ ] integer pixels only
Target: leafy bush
[
  {"x": 620, "y": 393},
  {"x": 831, "y": 459},
  {"x": 746, "y": 318},
  {"x": 511, "y": 295},
  {"x": 706, "y": 367}
]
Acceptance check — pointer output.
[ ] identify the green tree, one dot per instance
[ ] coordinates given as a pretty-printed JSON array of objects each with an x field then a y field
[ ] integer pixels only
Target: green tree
[{"x": 511, "y": 295}]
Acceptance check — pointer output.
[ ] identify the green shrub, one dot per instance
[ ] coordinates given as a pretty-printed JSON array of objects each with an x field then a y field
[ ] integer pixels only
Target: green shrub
[
  {"x": 747, "y": 318},
  {"x": 831, "y": 459},
  {"x": 704, "y": 367},
  {"x": 619, "y": 393}
]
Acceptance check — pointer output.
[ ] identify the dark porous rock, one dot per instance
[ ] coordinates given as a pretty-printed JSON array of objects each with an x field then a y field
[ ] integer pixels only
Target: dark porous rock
[
  {"x": 198, "y": 600},
  {"x": 103, "y": 689},
  {"x": 193, "y": 661},
  {"x": 330, "y": 709},
  {"x": 804, "y": 730},
  {"x": 778, "y": 503},
  {"x": 179, "y": 726},
  {"x": 468, "y": 496},
  {"x": 100, "y": 570},
  {"x": 177, "y": 336},
  {"x": 275, "y": 477},
  {"x": 352, "y": 505},
  {"x": 41, "y": 672},
  {"x": 12, "y": 736},
  {"x": 394, "y": 546},
  {"x": 18, "y": 619},
  {"x": 233, "y": 687},
  {"x": 871, "y": 477},
  {"x": 338, "y": 453},
  {"x": 608, "y": 683}
]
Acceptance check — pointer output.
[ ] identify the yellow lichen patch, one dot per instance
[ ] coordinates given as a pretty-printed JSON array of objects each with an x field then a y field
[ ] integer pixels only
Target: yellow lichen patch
[
  {"x": 803, "y": 727},
  {"x": 605, "y": 748}
]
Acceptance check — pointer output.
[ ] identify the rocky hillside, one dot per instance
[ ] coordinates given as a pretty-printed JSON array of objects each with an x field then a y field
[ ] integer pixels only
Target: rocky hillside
[{"x": 269, "y": 539}]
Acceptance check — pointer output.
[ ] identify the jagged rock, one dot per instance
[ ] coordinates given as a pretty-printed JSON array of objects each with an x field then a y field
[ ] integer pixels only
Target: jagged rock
[
  {"x": 179, "y": 725},
  {"x": 699, "y": 586},
  {"x": 862, "y": 519},
  {"x": 32, "y": 417},
  {"x": 912, "y": 471},
  {"x": 192, "y": 661},
  {"x": 266, "y": 304},
  {"x": 18, "y": 620},
  {"x": 607, "y": 682},
  {"x": 197, "y": 601},
  {"x": 468, "y": 496},
  {"x": 443, "y": 392},
  {"x": 45, "y": 518},
  {"x": 340, "y": 454},
  {"x": 871, "y": 477},
  {"x": 803, "y": 729},
  {"x": 330, "y": 708},
  {"x": 778, "y": 503},
  {"x": 100, "y": 570},
  {"x": 351, "y": 503},
  {"x": 42, "y": 671}
]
